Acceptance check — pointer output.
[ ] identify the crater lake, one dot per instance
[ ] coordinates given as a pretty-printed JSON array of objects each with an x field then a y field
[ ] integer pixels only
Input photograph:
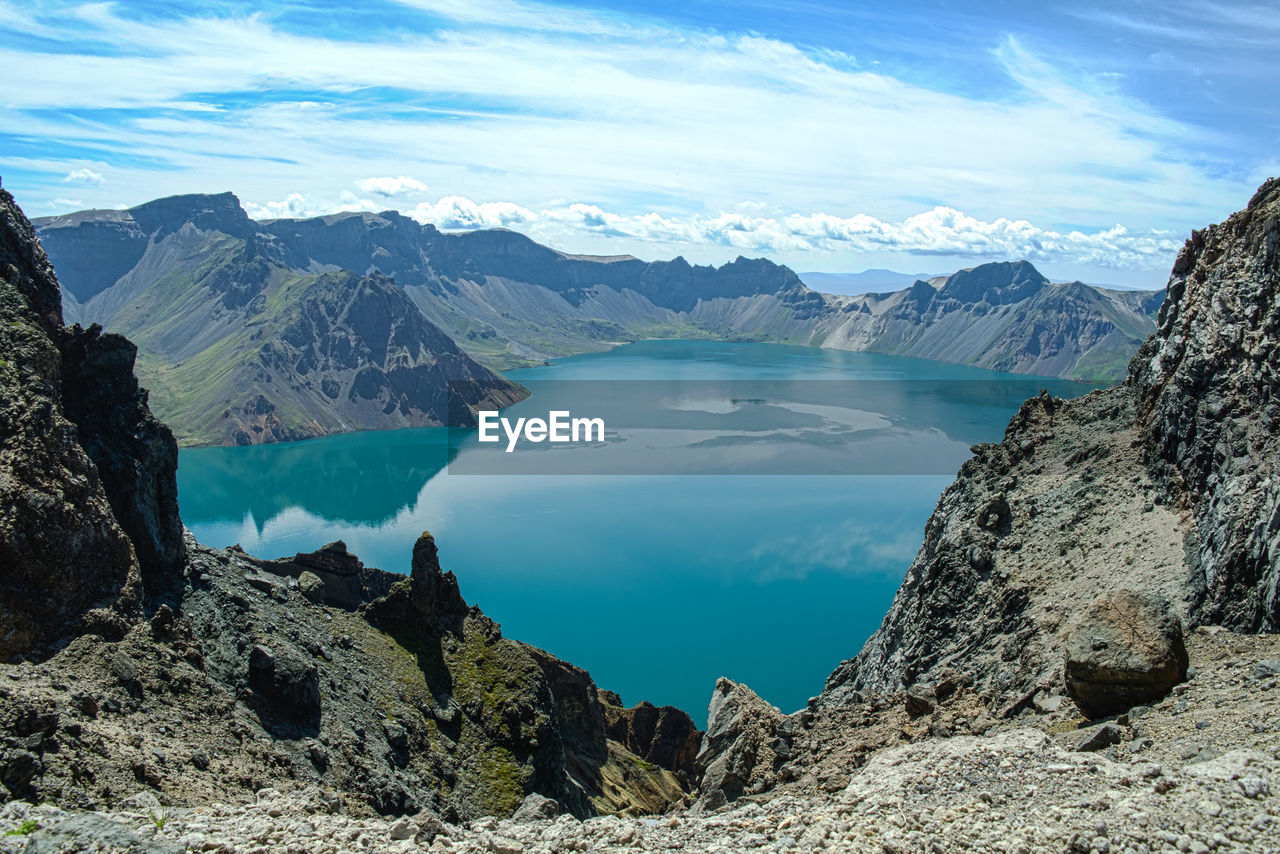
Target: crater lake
[{"x": 752, "y": 516}]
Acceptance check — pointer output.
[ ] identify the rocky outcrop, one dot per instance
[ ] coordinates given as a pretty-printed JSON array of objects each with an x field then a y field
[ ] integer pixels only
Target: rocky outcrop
[
  {"x": 742, "y": 748},
  {"x": 665, "y": 736},
  {"x": 1164, "y": 485},
  {"x": 1126, "y": 651},
  {"x": 341, "y": 579},
  {"x": 136, "y": 455},
  {"x": 67, "y": 564}
]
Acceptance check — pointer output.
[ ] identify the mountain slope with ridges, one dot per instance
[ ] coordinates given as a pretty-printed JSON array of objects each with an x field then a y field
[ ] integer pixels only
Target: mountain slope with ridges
[
  {"x": 511, "y": 302},
  {"x": 239, "y": 348}
]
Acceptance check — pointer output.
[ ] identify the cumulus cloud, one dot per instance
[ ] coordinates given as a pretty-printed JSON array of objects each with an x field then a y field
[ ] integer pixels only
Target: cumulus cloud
[
  {"x": 939, "y": 231},
  {"x": 457, "y": 212},
  {"x": 391, "y": 186},
  {"x": 84, "y": 176},
  {"x": 590, "y": 107},
  {"x": 292, "y": 206}
]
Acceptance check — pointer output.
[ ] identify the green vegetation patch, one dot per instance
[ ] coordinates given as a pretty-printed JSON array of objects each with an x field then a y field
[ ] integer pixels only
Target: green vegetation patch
[{"x": 501, "y": 786}]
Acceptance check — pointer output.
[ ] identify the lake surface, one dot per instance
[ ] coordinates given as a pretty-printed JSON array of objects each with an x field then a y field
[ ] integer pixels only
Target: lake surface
[{"x": 747, "y": 564}]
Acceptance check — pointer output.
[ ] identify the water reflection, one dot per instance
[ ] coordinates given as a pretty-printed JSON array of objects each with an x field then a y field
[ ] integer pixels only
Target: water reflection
[{"x": 360, "y": 478}]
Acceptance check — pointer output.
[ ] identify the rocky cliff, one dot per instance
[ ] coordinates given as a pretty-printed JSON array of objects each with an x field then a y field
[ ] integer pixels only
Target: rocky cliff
[
  {"x": 91, "y": 516},
  {"x": 1208, "y": 392},
  {"x": 140, "y": 661},
  {"x": 1165, "y": 484},
  {"x": 68, "y": 564}
]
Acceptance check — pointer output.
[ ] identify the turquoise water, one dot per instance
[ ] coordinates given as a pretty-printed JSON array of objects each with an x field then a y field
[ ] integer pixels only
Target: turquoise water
[{"x": 657, "y": 584}]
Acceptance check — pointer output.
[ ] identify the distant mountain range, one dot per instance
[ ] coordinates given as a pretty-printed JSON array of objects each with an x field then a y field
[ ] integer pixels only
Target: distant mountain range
[
  {"x": 263, "y": 331},
  {"x": 868, "y": 281}
]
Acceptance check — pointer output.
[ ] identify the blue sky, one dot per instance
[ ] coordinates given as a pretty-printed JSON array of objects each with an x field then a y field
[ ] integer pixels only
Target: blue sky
[{"x": 828, "y": 136}]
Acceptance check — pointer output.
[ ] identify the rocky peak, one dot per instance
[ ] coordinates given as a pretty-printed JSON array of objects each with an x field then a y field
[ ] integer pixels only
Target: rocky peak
[
  {"x": 220, "y": 212},
  {"x": 26, "y": 268},
  {"x": 92, "y": 250},
  {"x": 94, "y": 387},
  {"x": 998, "y": 283},
  {"x": 435, "y": 592}
]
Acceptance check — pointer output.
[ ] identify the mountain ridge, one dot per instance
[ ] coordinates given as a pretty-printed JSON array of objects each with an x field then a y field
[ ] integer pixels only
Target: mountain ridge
[
  {"x": 510, "y": 302},
  {"x": 1181, "y": 456},
  {"x": 238, "y": 348}
]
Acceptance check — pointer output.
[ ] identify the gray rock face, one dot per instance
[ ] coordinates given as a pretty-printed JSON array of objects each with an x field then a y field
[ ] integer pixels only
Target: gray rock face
[
  {"x": 1208, "y": 384},
  {"x": 739, "y": 748},
  {"x": 136, "y": 455},
  {"x": 663, "y": 735},
  {"x": 1126, "y": 651}
]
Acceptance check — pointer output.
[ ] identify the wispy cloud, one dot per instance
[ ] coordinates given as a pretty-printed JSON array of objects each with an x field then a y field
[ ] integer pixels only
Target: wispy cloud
[
  {"x": 1233, "y": 25},
  {"x": 391, "y": 186},
  {"x": 654, "y": 134}
]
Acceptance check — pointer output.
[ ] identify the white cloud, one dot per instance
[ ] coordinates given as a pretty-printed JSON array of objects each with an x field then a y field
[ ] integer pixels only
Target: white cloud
[
  {"x": 391, "y": 186},
  {"x": 66, "y": 204},
  {"x": 456, "y": 212},
  {"x": 939, "y": 231},
  {"x": 293, "y": 206},
  {"x": 84, "y": 176}
]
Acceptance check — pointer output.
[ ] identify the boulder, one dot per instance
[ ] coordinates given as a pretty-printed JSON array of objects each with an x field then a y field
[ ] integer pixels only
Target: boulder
[
  {"x": 288, "y": 683},
  {"x": 535, "y": 807},
  {"x": 311, "y": 587},
  {"x": 920, "y": 700},
  {"x": 1100, "y": 737},
  {"x": 1126, "y": 650}
]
